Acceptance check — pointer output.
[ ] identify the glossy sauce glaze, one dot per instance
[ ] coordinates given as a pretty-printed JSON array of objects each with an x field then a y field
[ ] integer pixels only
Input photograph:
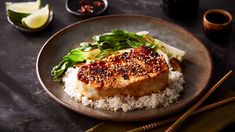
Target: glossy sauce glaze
[{"x": 138, "y": 62}]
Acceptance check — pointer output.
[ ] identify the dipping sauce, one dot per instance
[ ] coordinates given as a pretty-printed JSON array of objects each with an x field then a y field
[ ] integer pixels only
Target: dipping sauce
[
  {"x": 86, "y": 7},
  {"x": 217, "y": 18},
  {"x": 217, "y": 24}
]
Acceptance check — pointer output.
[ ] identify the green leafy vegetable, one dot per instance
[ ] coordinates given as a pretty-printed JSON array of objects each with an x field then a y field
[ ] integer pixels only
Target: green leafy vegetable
[
  {"x": 119, "y": 39},
  {"x": 107, "y": 44},
  {"x": 73, "y": 57},
  {"x": 87, "y": 46},
  {"x": 58, "y": 71}
]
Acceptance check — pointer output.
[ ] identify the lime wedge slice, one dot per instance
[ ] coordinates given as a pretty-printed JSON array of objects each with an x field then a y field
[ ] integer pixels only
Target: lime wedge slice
[
  {"x": 17, "y": 11},
  {"x": 37, "y": 19}
]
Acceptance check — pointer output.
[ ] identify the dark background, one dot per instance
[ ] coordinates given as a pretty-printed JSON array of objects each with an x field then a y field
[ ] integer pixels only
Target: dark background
[{"x": 25, "y": 106}]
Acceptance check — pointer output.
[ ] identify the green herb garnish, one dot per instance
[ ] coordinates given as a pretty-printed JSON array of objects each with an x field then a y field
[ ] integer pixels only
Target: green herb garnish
[{"x": 104, "y": 45}]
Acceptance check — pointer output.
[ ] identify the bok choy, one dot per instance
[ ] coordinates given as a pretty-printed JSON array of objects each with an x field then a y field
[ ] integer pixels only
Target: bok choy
[{"x": 109, "y": 43}]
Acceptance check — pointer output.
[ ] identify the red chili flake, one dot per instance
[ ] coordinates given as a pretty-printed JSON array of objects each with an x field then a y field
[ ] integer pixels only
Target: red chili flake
[
  {"x": 97, "y": 3},
  {"x": 82, "y": 9},
  {"x": 90, "y": 6},
  {"x": 86, "y": 8}
]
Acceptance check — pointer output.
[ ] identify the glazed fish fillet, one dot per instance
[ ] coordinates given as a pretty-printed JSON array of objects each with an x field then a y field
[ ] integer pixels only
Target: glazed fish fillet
[{"x": 137, "y": 72}]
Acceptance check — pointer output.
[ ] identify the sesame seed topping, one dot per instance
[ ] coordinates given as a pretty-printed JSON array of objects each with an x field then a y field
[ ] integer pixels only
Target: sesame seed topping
[{"x": 138, "y": 62}]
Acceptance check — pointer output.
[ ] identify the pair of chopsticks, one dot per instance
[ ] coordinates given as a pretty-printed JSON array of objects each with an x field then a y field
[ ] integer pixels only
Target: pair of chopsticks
[{"x": 191, "y": 111}]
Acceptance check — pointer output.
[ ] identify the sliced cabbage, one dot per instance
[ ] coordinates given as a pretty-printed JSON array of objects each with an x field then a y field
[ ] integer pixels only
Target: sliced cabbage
[{"x": 171, "y": 51}]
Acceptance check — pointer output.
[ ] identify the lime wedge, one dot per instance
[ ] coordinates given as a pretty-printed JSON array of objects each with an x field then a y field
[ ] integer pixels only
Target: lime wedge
[
  {"x": 17, "y": 11},
  {"x": 37, "y": 19}
]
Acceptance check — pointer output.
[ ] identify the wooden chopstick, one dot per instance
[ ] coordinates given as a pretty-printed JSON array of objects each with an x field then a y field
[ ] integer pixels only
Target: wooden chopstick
[
  {"x": 178, "y": 122},
  {"x": 163, "y": 122}
]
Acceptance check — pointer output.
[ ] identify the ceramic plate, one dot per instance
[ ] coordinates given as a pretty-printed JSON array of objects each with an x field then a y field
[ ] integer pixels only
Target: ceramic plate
[{"x": 197, "y": 65}]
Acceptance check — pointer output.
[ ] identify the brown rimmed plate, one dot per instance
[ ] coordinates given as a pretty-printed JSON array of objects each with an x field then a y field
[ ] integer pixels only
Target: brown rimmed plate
[{"x": 197, "y": 64}]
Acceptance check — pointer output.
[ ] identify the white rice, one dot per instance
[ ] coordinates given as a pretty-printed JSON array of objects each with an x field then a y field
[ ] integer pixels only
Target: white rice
[{"x": 126, "y": 103}]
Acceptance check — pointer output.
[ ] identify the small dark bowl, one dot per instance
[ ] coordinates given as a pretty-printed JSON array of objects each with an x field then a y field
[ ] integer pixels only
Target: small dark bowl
[
  {"x": 72, "y": 6},
  {"x": 25, "y": 29},
  {"x": 217, "y": 24}
]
